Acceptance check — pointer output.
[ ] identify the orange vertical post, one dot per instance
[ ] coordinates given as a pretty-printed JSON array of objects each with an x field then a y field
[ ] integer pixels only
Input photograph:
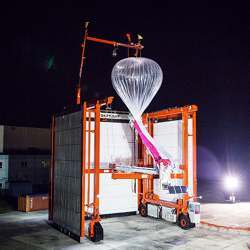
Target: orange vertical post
[
  {"x": 185, "y": 146},
  {"x": 97, "y": 161},
  {"x": 145, "y": 155},
  {"x": 150, "y": 159},
  {"x": 139, "y": 190},
  {"x": 89, "y": 150},
  {"x": 79, "y": 88},
  {"x": 194, "y": 155},
  {"x": 144, "y": 188},
  {"x": 83, "y": 163},
  {"x": 151, "y": 132}
]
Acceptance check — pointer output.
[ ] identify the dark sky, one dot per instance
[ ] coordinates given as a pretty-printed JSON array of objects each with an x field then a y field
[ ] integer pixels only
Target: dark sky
[{"x": 203, "y": 50}]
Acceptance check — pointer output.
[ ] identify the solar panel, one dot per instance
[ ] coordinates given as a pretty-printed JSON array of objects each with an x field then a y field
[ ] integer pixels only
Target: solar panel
[{"x": 175, "y": 189}]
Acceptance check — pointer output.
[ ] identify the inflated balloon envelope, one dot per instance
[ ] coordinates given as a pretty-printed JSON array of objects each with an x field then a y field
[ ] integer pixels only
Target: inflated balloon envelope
[{"x": 137, "y": 80}]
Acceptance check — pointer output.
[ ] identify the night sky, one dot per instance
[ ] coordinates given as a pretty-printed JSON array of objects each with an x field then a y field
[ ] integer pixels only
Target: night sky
[{"x": 203, "y": 49}]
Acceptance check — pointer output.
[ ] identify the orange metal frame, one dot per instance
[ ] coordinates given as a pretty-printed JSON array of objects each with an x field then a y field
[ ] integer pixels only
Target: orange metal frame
[
  {"x": 90, "y": 118},
  {"x": 87, "y": 114},
  {"x": 145, "y": 182},
  {"x": 137, "y": 46}
]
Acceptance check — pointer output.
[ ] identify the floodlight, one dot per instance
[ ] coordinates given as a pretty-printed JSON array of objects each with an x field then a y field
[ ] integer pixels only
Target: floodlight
[{"x": 231, "y": 183}]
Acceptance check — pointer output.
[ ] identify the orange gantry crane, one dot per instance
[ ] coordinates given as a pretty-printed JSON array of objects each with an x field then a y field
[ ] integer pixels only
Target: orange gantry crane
[{"x": 185, "y": 209}]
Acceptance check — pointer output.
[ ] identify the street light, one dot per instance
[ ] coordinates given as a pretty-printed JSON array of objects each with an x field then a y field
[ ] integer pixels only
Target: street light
[{"x": 231, "y": 184}]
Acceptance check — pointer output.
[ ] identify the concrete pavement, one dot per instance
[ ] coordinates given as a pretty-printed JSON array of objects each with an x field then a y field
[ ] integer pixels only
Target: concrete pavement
[{"x": 31, "y": 231}]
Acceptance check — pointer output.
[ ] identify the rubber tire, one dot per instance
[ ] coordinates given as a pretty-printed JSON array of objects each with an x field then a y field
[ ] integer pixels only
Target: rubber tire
[
  {"x": 184, "y": 222},
  {"x": 98, "y": 232},
  {"x": 143, "y": 210}
]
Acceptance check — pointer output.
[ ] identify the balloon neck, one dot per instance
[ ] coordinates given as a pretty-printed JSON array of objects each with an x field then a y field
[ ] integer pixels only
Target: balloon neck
[{"x": 136, "y": 117}]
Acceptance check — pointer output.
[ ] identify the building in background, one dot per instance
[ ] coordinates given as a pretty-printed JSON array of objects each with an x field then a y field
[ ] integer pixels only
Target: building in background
[
  {"x": 24, "y": 158},
  {"x": 4, "y": 170},
  {"x": 24, "y": 139},
  {"x": 29, "y": 168}
]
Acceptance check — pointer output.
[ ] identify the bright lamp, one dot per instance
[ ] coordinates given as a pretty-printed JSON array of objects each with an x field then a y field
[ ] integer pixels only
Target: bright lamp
[{"x": 231, "y": 183}]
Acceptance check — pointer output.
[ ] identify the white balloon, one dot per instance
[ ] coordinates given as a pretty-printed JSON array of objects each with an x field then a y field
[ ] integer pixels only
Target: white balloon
[{"x": 136, "y": 80}]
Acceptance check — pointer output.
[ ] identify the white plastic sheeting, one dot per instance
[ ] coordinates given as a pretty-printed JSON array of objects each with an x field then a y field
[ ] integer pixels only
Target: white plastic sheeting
[
  {"x": 115, "y": 196},
  {"x": 169, "y": 134},
  {"x": 137, "y": 80}
]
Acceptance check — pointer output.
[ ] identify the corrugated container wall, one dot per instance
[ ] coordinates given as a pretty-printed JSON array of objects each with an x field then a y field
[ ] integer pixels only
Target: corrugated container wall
[{"x": 67, "y": 175}]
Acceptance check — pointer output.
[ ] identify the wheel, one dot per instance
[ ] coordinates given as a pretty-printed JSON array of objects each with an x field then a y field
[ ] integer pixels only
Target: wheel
[
  {"x": 184, "y": 222},
  {"x": 143, "y": 210},
  {"x": 98, "y": 232}
]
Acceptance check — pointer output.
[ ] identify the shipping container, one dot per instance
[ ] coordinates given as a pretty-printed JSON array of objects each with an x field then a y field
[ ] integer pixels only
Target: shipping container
[{"x": 30, "y": 203}]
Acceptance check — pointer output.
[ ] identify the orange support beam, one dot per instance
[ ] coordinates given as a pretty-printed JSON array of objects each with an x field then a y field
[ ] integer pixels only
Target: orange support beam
[
  {"x": 151, "y": 132},
  {"x": 139, "y": 190},
  {"x": 88, "y": 117},
  {"x": 185, "y": 146},
  {"x": 194, "y": 156},
  {"x": 79, "y": 88},
  {"x": 168, "y": 113},
  {"x": 176, "y": 176},
  {"x": 136, "y": 46},
  {"x": 121, "y": 175},
  {"x": 97, "y": 161},
  {"x": 104, "y": 102}
]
